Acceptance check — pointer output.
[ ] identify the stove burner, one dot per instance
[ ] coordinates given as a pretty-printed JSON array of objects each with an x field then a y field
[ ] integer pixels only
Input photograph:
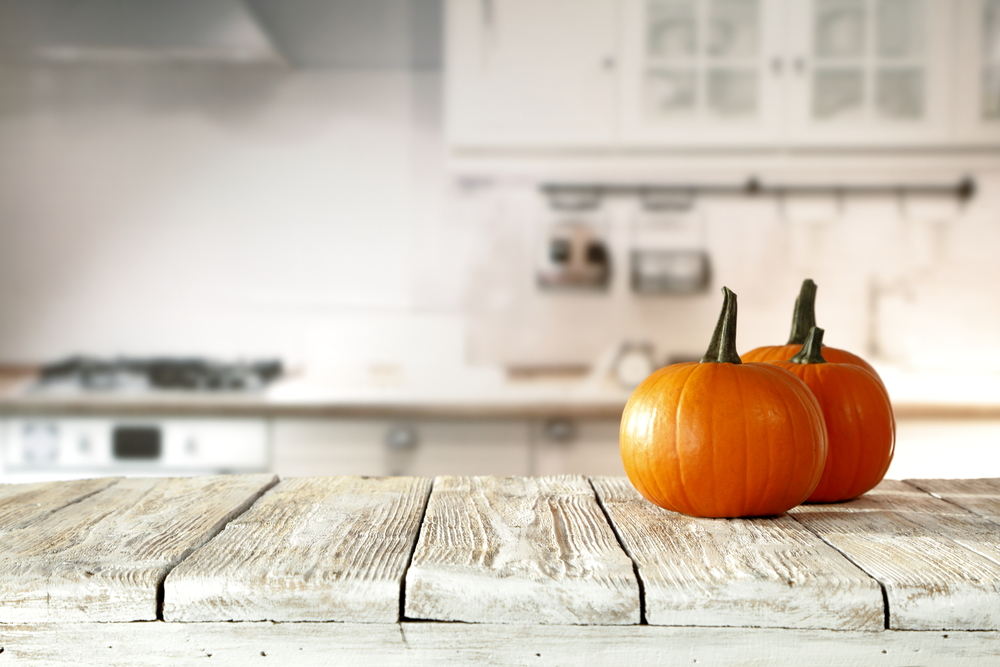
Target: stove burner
[{"x": 189, "y": 374}]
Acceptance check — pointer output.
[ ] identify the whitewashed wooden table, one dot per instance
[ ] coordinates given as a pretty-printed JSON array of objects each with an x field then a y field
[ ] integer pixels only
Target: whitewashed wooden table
[{"x": 490, "y": 571}]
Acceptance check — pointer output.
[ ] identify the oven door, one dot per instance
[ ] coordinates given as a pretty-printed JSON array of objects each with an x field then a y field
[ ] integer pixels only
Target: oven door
[{"x": 50, "y": 448}]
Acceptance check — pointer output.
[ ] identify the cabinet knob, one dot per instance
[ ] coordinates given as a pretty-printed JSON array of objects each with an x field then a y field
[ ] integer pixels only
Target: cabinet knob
[
  {"x": 560, "y": 430},
  {"x": 400, "y": 438},
  {"x": 608, "y": 62}
]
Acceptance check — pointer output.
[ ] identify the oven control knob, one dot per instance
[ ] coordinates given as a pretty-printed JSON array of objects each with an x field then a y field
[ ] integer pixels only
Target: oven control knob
[{"x": 40, "y": 443}]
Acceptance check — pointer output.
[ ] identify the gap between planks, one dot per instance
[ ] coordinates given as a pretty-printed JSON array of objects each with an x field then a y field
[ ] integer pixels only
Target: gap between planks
[
  {"x": 409, "y": 561},
  {"x": 621, "y": 543},
  {"x": 927, "y": 522},
  {"x": 238, "y": 512}
]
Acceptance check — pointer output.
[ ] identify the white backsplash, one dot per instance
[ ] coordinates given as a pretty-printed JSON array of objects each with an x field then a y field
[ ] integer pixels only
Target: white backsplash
[{"x": 906, "y": 281}]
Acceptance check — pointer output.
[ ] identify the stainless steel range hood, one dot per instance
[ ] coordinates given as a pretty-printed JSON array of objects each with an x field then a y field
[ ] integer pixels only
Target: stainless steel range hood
[{"x": 301, "y": 33}]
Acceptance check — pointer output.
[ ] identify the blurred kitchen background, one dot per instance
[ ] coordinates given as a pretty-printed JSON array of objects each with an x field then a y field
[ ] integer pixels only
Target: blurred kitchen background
[{"x": 450, "y": 235}]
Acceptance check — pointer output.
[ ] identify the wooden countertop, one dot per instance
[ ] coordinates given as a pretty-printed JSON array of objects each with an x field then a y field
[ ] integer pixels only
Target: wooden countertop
[{"x": 490, "y": 571}]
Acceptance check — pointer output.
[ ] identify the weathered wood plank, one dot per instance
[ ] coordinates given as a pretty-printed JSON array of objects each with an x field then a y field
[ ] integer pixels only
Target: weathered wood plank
[
  {"x": 979, "y": 496},
  {"x": 104, "y": 557},
  {"x": 21, "y": 505},
  {"x": 917, "y": 547},
  {"x": 311, "y": 549},
  {"x": 768, "y": 572},
  {"x": 482, "y": 645},
  {"x": 519, "y": 550}
]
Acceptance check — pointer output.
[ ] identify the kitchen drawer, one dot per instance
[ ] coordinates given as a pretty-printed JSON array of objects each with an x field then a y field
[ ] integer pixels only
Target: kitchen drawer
[
  {"x": 319, "y": 447},
  {"x": 577, "y": 446}
]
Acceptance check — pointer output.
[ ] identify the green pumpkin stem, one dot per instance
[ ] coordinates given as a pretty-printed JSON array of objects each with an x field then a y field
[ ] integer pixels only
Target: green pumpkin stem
[
  {"x": 812, "y": 349},
  {"x": 722, "y": 349},
  {"x": 804, "y": 316}
]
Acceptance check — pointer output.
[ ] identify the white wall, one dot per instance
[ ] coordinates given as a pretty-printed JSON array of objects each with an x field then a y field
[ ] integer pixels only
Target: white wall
[{"x": 212, "y": 209}]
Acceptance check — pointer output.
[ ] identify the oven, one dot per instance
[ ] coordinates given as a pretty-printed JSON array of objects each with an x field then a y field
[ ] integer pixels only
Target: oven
[
  {"x": 52, "y": 447},
  {"x": 55, "y": 446}
]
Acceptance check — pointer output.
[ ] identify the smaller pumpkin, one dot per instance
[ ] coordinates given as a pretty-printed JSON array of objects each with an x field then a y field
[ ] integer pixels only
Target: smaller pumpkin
[
  {"x": 804, "y": 319},
  {"x": 859, "y": 421},
  {"x": 720, "y": 438}
]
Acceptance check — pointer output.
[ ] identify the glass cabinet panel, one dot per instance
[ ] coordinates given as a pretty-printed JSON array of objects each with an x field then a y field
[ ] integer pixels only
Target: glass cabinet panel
[
  {"x": 870, "y": 60},
  {"x": 702, "y": 59},
  {"x": 990, "y": 103},
  {"x": 671, "y": 29}
]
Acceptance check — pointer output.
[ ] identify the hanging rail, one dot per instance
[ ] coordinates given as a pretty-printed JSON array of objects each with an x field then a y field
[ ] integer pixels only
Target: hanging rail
[{"x": 587, "y": 194}]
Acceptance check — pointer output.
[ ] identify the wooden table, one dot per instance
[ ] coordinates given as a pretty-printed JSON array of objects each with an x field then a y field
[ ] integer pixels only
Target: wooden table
[{"x": 490, "y": 571}]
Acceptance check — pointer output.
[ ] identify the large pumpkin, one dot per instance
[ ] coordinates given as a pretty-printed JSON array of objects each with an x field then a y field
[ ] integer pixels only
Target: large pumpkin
[
  {"x": 859, "y": 421},
  {"x": 722, "y": 438},
  {"x": 804, "y": 319}
]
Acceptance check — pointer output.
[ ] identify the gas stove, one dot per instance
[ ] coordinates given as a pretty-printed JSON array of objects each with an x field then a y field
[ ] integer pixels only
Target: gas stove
[{"x": 136, "y": 375}]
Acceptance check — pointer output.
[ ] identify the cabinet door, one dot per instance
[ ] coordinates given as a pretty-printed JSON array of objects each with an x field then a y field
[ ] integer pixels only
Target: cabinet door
[
  {"x": 701, "y": 72},
  {"x": 871, "y": 72},
  {"x": 577, "y": 447},
  {"x": 978, "y": 66},
  {"x": 323, "y": 447},
  {"x": 531, "y": 72}
]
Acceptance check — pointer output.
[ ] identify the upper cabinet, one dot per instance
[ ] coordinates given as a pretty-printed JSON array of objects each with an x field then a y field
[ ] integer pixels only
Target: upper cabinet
[
  {"x": 978, "y": 51},
  {"x": 723, "y": 73},
  {"x": 870, "y": 72},
  {"x": 701, "y": 71},
  {"x": 536, "y": 72}
]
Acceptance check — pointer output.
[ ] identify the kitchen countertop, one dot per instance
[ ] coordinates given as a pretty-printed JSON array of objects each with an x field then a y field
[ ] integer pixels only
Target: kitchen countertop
[
  {"x": 914, "y": 395},
  {"x": 490, "y": 571}
]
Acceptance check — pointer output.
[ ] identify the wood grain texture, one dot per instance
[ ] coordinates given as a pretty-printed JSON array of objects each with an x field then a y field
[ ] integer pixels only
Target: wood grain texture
[
  {"x": 979, "y": 496},
  {"x": 104, "y": 557},
  {"x": 311, "y": 549},
  {"x": 519, "y": 550},
  {"x": 21, "y": 505},
  {"x": 482, "y": 645},
  {"x": 922, "y": 550},
  {"x": 764, "y": 572}
]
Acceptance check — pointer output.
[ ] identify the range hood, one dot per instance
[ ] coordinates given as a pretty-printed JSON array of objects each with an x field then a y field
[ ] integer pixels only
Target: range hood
[
  {"x": 300, "y": 33},
  {"x": 109, "y": 30}
]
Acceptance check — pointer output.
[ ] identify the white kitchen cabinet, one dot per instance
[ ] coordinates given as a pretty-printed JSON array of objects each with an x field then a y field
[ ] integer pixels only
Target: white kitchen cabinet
[
  {"x": 345, "y": 446},
  {"x": 723, "y": 73},
  {"x": 577, "y": 446},
  {"x": 978, "y": 88},
  {"x": 701, "y": 72},
  {"x": 870, "y": 72},
  {"x": 531, "y": 72}
]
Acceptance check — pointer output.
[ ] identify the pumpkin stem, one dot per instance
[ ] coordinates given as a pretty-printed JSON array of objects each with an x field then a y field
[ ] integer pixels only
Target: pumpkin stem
[
  {"x": 812, "y": 349},
  {"x": 722, "y": 349},
  {"x": 804, "y": 316}
]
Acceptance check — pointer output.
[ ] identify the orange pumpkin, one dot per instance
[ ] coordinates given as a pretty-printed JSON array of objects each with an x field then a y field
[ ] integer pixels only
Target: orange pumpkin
[
  {"x": 720, "y": 438},
  {"x": 803, "y": 319},
  {"x": 859, "y": 421}
]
